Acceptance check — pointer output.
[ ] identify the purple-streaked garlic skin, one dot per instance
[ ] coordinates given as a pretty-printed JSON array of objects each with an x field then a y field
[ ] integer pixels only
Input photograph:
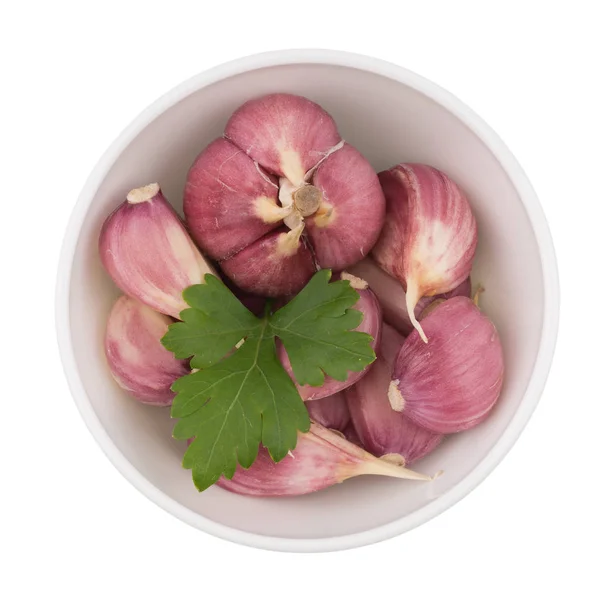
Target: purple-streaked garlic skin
[
  {"x": 229, "y": 202},
  {"x": 270, "y": 267},
  {"x": 136, "y": 358},
  {"x": 331, "y": 412},
  {"x": 350, "y": 434},
  {"x": 284, "y": 133},
  {"x": 321, "y": 459},
  {"x": 389, "y": 291},
  {"x": 452, "y": 383},
  {"x": 282, "y": 166},
  {"x": 380, "y": 429},
  {"x": 350, "y": 218},
  {"x": 429, "y": 236},
  {"x": 148, "y": 253},
  {"x": 368, "y": 304},
  {"x": 392, "y": 297}
]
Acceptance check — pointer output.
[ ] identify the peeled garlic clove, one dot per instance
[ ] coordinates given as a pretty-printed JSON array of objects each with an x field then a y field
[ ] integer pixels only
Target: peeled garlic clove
[
  {"x": 321, "y": 459},
  {"x": 380, "y": 429},
  {"x": 331, "y": 412},
  {"x": 136, "y": 358},
  {"x": 229, "y": 201},
  {"x": 284, "y": 133},
  {"x": 148, "y": 253},
  {"x": 275, "y": 265},
  {"x": 429, "y": 237},
  {"x": 371, "y": 324},
  {"x": 452, "y": 383},
  {"x": 350, "y": 216},
  {"x": 392, "y": 297}
]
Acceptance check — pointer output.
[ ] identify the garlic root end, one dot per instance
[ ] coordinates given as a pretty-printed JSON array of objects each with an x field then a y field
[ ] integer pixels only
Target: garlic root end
[
  {"x": 143, "y": 194},
  {"x": 395, "y": 397},
  {"x": 355, "y": 282}
]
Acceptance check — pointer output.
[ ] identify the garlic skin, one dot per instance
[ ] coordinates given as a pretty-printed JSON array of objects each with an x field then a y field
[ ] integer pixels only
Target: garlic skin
[
  {"x": 223, "y": 227},
  {"x": 321, "y": 459},
  {"x": 368, "y": 304},
  {"x": 148, "y": 253},
  {"x": 137, "y": 360},
  {"x": 392, "y": 297},
  {"x": 352, "y": 211},
  {"x": 380, "y": 429},
  {"x": 331, "y": 412},
  {"x": 283, "y": 167},
  {"x": 452, "y": 383},
  {"x": 269, "y": 267},
  {"x": 350, "y": 434},
  {"x": 429, "y": 237},
  {"x": 284, "y": 133}
]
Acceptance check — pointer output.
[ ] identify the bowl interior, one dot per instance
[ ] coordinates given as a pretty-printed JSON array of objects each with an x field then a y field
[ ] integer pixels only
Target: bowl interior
[{"x": 388, "y": 122}]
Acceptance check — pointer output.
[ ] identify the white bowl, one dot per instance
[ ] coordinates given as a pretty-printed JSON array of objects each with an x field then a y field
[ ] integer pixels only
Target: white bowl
[{"x": 391, "y": 115}]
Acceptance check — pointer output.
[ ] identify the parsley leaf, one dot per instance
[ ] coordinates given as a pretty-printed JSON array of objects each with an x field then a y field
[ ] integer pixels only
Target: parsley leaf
[
  {"x": 315, "y": 330},
  {"x": 241, "y": 396},
  {"x": 209, "y": 330}
]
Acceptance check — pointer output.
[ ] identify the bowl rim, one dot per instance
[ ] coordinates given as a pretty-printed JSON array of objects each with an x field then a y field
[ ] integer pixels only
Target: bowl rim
[{"x": 531, "y": 204}]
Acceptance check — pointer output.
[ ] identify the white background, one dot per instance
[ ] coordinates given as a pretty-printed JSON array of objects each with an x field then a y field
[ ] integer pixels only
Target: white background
[{"x": 73, "y": 76}]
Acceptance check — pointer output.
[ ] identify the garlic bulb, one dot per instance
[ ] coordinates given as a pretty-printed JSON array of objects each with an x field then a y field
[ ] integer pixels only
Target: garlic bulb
[
  {"x": 452, "y": 383},
  {"x": 148, "y": 253},
  {"x": 281, "y": 196},
  {"x": 136, "y": 358},
  {"x": 429, "y": 237}
]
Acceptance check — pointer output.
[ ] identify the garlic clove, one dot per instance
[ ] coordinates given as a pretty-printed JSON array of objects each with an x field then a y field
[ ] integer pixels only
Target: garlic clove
[
  {"x": 381, "y": 430},
  {"x": 275, "y": 265},
  {"x": 284, "y": 133},
  {"x": 321, "y": 459},
  {"x": 389, "y": 291},
  {"x": 452, "y": 383},
  {"x": 429, "y": 237},
  {"x": 392, "y": 297},
  {"x": 137, "y": 360},
  {"x": 350, "y": 216},
  {"x": 148, "y": 253},
  {"x": 350, "y": 434},
  {"x": 229, "y": 201},
  {"x": 331, "y": 412},
  {"x": 371, "y": 324}
]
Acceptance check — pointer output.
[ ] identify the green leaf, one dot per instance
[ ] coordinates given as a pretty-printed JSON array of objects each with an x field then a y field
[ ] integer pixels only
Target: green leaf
[
  {"x": 230, "y": 408},
  {"x": 241, "y": 396},
  {"x": 315, "y": 330},
  {"x": 213, "y": 325}
]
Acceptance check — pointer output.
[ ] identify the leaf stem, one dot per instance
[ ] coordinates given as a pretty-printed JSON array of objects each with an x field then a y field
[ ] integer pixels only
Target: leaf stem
[{"x": 268, "y": 306}]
